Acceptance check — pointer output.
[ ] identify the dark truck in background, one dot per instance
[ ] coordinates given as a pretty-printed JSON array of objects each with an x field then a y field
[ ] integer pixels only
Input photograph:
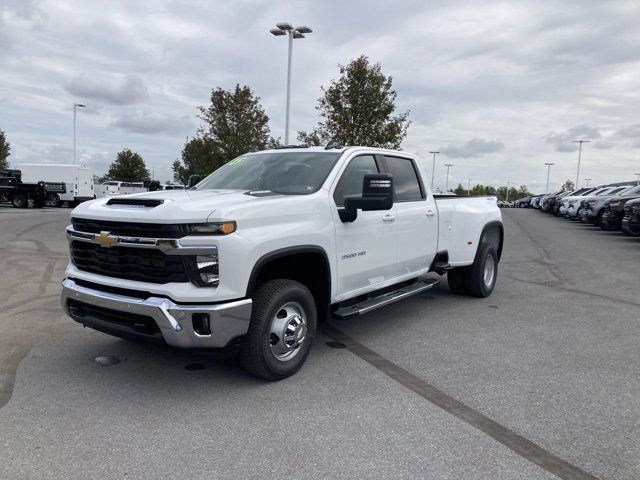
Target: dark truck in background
[{"x": 19, "y": 194}]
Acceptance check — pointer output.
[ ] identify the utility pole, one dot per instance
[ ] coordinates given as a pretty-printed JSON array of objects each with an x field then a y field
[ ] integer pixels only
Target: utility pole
[
  {"x": 548, "y": 171},
  {"x": 433, "y": 168},
  {"x": 469, "y": 188},
  {"x": 293, "y": 33},
  {"x": 579, "y": 157},
  {"x": 75, "y": 107},
  {"x": 508, "y": 184},
  {"x": 446, "y": 189},
  {"x": 638, "y": 175}
]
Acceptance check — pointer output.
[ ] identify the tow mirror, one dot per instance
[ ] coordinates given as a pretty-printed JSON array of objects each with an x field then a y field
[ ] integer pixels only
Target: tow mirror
[
  {"x": 193, "y": 181},
  {"x": 377, "y": 194}
]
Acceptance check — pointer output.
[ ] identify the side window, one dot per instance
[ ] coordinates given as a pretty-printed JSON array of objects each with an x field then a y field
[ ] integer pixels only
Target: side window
[
  {"x": 405, "y": 179},
  {"x": 350, "y": 184}
]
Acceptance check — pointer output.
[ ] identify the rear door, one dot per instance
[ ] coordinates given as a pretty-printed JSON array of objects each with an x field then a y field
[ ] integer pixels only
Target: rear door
[
  {"x": 366, "y": 247},
  {"x": 417, "y": 217}
]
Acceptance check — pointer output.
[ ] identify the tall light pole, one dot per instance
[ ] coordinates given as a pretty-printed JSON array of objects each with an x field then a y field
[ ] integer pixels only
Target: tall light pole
[
  {"x": 638, "y": 175},
  {"x": 446, "y": 189},
  {"x": 469, "y": 188},
  {"x": 433, "y": 167},
  {"x": 293, "y": 33},
  {"x": 508, "y": 185},
  {"x": 579, "y": 156},
  {"x": 75, "y": 108},
  {"x": 588, "y": 180},
  {"x": 548, "y": 171}
]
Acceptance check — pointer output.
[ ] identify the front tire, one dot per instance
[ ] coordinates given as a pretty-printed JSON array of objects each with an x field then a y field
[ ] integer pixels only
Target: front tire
[
  {"x": 282, "y": 328},
  {"x": 20, "y": 201}
]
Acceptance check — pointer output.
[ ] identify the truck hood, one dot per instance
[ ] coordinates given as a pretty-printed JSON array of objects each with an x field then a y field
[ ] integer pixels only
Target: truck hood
[{"x": 168, "y": 206}]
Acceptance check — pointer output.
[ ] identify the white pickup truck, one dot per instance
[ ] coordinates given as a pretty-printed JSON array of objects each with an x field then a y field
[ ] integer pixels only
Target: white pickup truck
[{"x": 259, "y": 251}]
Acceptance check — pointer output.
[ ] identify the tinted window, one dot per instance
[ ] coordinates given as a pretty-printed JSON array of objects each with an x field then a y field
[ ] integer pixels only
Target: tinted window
[
  {"x": 405, "y": 179},
  {"x": 350, "y": 184}
]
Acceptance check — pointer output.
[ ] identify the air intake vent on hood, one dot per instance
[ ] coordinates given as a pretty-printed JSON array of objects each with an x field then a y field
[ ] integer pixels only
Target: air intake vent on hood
[{"x": 135, "y": 202}]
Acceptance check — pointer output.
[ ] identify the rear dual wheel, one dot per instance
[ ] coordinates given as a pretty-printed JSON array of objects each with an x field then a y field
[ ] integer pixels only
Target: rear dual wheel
[{"x": 478, "y": 279}]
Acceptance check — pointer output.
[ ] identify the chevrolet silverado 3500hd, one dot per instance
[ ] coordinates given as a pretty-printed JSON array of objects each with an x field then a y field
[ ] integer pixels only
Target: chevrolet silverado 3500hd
[{"x": 260, "y": 250}]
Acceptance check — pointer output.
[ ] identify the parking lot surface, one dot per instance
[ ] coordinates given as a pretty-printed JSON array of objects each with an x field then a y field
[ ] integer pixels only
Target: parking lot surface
[{"x": 551, "y": 358}]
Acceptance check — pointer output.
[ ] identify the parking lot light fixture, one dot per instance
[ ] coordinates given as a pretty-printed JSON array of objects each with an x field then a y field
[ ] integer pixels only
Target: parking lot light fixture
[
  {"x": 281, "y": 29},
  {"x": 637, "y": 175},
  {"x": 548, "y": 171},
  {"x": 588, "y": 180},
  {"x": 579, "y": 157},
  {"x": 446, "y": 188},
  {"x": 469, "y": 188},
  {"x": 433, "y": 167}
]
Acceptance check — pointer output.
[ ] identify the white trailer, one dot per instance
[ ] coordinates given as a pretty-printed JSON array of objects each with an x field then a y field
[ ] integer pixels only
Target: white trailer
[{"x": 77, "y": 178}]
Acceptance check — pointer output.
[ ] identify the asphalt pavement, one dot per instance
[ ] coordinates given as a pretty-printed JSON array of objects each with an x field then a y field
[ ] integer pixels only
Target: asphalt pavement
[{"x": 437, "y": 386}]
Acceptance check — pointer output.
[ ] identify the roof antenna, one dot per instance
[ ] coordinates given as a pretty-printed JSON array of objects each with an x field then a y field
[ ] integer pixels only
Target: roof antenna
[{"x": 333, "y": 143}]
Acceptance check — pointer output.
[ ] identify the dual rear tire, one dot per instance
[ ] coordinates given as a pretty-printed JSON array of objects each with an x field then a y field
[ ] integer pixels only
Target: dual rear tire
[{"x": 478, "y": 279}]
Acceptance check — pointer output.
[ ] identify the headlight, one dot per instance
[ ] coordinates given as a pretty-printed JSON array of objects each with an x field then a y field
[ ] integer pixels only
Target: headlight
[
  {"x": 203, "y": 270},
  {"x": 214, "y": 228}
]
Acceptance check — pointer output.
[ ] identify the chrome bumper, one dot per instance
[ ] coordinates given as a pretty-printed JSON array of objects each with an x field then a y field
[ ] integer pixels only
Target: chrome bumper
[{"x": 228, "y": 320}]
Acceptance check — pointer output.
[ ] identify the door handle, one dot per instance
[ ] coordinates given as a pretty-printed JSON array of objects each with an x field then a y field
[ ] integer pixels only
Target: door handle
[
  {"x": 388, "y": 218},
  {"x": 431, "y": 213}
]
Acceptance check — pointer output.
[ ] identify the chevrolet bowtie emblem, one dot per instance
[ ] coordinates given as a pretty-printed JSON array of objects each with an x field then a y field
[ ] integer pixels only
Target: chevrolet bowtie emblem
[{"x": 105, "y": 240}]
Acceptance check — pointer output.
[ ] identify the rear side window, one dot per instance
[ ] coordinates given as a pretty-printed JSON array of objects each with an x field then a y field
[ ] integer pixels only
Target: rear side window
[
  {"x": 350, "y": 184},
  {"x": 405, "y": 179}
]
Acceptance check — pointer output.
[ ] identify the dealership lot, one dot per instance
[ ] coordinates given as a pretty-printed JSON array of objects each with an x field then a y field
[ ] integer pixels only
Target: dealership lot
[{"x": 551, "y": 356}]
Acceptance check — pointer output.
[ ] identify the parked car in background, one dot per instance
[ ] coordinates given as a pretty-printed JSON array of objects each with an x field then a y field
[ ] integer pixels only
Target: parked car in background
[
  {"x": 574, "y": 208},
  {"x": 523, "y": 202},
  {"x": 631, "y": 218},
  {"x": 593, "y": 206},
  {"x": 614, "y": 211}
]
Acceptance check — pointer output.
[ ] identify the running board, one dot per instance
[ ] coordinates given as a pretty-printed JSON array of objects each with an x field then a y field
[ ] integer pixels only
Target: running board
[{"x": 385, "y": 299}]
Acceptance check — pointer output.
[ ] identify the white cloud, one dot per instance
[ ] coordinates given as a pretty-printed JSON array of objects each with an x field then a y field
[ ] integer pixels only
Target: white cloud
[
  {"x": 125, "y": 91},
  {"x": 153, "y": 123},
  {"x": 476, "y": 147}
]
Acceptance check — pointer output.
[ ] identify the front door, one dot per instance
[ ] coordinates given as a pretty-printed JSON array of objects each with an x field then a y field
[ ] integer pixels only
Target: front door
[{"x": 365, "y": 248}]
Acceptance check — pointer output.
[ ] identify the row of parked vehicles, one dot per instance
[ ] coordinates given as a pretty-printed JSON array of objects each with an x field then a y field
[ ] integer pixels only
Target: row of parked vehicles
[
  {"x": 56, "y": 185},
  {"x": 611, "y": 207}
]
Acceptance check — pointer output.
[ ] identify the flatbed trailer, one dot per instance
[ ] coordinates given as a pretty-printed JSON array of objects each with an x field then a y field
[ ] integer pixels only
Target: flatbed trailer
[{"x": 19, "y": 194}]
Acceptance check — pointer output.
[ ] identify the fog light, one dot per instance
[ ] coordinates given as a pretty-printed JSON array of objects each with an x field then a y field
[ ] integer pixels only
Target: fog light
[
  {"x": 201, "y": 323},
  {"x": 207, "y": 266}
]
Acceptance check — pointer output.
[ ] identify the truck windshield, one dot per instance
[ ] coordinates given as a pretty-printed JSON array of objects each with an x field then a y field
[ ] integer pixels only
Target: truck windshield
[{"x": 297, "y": 173}]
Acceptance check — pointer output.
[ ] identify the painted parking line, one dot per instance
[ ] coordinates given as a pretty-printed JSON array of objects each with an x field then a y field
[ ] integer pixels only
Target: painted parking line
[{"x": 520, "y": 445}]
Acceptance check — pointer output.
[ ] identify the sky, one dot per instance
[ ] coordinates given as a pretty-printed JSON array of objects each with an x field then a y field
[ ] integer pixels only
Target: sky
[{"x": 499, "y": 88}]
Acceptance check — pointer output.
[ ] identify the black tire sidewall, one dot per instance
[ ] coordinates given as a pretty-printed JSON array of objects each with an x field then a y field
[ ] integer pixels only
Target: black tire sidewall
[
  {"x": 289, "y": 291},
  {"x": 16, "y": 201},
  {"x": 475, "y": 281}
]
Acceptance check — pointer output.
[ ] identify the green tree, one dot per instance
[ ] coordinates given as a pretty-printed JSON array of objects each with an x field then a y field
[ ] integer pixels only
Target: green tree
[
  {"x": 478, "y": 189},
  {"x": 460, "y": 190},
  {"x": 234, "y": 123},
  {"x": 567, "y": 186},
  {"x": 128, "y": 166},
  {"x": 5, "y": 151},
  {"x": 358, "y": 108}
]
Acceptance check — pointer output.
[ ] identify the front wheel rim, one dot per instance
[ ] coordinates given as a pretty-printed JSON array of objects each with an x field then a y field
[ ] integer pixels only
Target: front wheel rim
[
  {"x": 288, "y": 331},
  {"x": 489, "y": 270}
]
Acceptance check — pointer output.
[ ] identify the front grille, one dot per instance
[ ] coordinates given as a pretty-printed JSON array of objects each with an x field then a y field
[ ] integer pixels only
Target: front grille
[
  {"x": 126, "y": 229},
  {"x": 138, "y": 264},
  {"x": 138, "y": 323}
]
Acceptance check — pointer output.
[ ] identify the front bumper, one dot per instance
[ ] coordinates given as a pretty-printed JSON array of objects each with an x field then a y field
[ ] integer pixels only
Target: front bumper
[{"x": 133, "y": 317}]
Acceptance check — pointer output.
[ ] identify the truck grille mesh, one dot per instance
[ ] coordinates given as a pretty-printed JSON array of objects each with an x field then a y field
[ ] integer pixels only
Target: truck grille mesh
[
  {"x": 138, "y": 264},
  {"x": 126, "y": 229}
]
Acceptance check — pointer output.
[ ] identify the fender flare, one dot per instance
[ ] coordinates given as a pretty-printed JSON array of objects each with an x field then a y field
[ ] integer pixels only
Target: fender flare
[
  {"x": 492, "y": 224},
  {"x": 284, "y": 252}
]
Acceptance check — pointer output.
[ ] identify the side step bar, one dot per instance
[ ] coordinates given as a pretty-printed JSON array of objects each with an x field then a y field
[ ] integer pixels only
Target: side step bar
[{"x": 384, "y": 299}]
